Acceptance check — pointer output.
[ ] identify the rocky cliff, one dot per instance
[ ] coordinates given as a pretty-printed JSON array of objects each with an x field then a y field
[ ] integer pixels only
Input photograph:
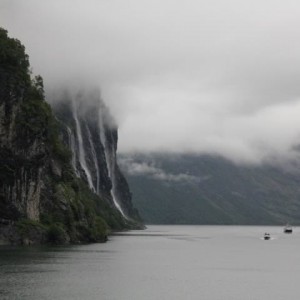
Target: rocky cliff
[
  {"x": 90, "y": 132},
  {"x": 59, "y": 180}
]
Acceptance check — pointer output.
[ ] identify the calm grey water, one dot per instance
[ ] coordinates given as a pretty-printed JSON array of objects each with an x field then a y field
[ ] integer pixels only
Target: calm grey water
[{"x": 163, "y": 262}]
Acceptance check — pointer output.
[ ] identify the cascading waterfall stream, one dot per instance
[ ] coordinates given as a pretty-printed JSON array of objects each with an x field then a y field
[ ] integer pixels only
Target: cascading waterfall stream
[
  {"x": 82, "y": 159},
  {"x": 112, "y": 162},
  {"x": 95, "y": 160},
  {"x": 110, "y": 159},
  {"x": 79, "y": 150},
  {"x": 73, "y": 149}
]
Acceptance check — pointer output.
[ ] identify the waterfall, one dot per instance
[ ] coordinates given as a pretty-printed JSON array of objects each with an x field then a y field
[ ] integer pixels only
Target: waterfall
[
  {"x": 101, "y": 130},
  {"x": 94, "y": 156},
  {"x": 111, "y": 161},
  {"x": 82, "y": 159},
  {"x": 72, "y": 146}
]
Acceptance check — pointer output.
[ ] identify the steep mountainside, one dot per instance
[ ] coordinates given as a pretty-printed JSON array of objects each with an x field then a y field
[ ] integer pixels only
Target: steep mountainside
[
  {"x": 46, "y": 193},
  {"x": 90, "y": 133},
  {"x": 173, "y": 189}
]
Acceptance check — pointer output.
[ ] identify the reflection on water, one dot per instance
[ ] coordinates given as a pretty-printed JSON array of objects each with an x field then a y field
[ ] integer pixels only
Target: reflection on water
[{"x": 162, "y": 262}]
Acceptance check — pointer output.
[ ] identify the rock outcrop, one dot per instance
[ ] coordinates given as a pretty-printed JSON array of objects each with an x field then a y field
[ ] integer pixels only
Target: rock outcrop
[
  {"x": 91, "y": 134},
  {"x": 59, "y": 180}
]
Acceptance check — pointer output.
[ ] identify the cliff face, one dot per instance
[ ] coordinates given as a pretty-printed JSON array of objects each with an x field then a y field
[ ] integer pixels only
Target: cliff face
[
  {"x": 90, "y": 133},
  {"x": 59, "y": 181},
  {"x": 22, "y": 146}
]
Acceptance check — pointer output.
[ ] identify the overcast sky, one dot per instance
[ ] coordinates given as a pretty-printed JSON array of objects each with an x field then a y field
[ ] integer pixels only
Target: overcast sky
[{"x": 214, "y": 76}]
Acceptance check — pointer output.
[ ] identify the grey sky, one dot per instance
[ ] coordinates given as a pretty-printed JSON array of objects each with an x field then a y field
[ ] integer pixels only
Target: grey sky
[{"x": 217, "y": 76}]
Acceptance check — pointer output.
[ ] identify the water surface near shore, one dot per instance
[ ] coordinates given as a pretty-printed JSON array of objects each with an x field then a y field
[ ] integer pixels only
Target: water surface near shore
[{"x": 162, "y": 262}]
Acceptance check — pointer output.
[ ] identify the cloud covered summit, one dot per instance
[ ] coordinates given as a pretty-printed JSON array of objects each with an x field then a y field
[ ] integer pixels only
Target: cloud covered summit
[{"x": 217, "y": 76}]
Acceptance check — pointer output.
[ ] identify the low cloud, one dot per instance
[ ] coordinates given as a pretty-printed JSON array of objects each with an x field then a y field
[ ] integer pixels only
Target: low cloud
[
  {"x": 134, "y": 168},
  {"x": 217, "y": 77}
]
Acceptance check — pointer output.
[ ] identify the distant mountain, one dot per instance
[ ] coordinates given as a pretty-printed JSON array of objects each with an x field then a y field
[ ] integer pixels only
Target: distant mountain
[{"x": 191, "y": 189}]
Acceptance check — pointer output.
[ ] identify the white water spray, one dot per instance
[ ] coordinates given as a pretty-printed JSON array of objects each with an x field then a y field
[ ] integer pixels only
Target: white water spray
[
  {"x": 73, "y": 149},
  {"x": 95, "y": 160},
  {"x": 82, "y": 159},
  {"x": 111, "y": 161}
]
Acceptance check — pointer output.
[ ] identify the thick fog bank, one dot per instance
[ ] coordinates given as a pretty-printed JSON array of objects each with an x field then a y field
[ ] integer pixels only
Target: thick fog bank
[{"x": 218, "y": 77}]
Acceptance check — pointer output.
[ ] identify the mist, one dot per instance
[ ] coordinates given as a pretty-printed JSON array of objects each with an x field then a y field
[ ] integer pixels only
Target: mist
[
  {"x": 218, "y": 77},
  {"x": 152, "y": 171}
]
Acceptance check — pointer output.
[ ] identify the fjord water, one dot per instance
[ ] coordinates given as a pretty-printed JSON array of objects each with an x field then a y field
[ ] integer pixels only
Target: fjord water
[{"x": 162, "y": 262}]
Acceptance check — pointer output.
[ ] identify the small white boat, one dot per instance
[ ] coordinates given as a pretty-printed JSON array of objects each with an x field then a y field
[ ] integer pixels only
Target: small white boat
[
  {"x": 267, "y": 236},
  {"x": 288, "y": 229}
]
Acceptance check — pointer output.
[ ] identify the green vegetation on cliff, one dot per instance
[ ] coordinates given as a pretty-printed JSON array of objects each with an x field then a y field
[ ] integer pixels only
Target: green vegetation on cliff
[
  {"x": 41, "y": 199},
  {"x": 13, "y": 59}
]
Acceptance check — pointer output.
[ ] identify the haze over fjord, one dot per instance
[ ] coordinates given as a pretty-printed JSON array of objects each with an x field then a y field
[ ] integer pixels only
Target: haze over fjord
[{"x": 218, "y": 77}]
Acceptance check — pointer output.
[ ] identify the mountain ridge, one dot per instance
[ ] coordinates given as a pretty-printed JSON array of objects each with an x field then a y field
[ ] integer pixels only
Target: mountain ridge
[
  {"x": 44, "y": 198},
  {"x": 204, "y": 189}
]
